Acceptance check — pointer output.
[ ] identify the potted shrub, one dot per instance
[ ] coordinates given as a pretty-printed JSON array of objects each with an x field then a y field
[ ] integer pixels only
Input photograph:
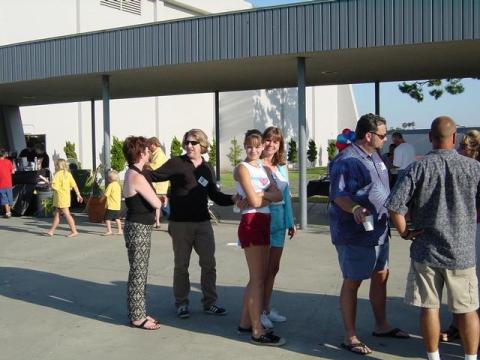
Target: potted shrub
[{"x": 95, "y": 204}]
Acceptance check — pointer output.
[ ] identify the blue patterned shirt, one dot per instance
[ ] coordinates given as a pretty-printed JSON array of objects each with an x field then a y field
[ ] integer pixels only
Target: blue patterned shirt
[
  {"x": 363, "y": 178},
  {"x": 440, "y": 192}
]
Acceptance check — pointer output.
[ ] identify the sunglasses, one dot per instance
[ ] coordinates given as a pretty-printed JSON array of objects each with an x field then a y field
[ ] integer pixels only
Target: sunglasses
[
  {"x": 381, "y": 137},
  {"x": 192, "y": 142}
]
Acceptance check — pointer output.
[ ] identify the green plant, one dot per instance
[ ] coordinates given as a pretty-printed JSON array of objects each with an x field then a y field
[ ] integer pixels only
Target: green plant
[
  {"x": 94, "y": 184},
  {"x": 235, "y": 153},
  {"x": 175, "y": 147},
  {"x": 118, "y": 160},
  {"x": 69, "y": 150},
  {"x": 212, "y": 153},
  {"x": 47, "y": 207},
  {"x": 331, "y": 151},
  {"x": 312, "y": 152},
  {"x": 292, "y": 152}
]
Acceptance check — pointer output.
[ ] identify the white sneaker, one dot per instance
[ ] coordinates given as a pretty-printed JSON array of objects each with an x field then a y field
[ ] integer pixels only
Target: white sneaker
[
  {"x": 276, "y": 317},
  {"x": 267, "y": 324}
]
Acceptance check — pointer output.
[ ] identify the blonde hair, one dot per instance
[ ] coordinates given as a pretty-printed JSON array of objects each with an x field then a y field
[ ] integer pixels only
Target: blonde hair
[
  {"x": 199, "y": 136},
  {"x": 112, "y": 175},
  {"x": 471, "y": 144},
  {"x": 61, "y": 164},
  {"x": 153, "y": 141}
]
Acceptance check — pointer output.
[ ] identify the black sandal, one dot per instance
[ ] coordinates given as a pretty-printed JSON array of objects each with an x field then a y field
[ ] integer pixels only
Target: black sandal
[{"x": 143, "y": 323}]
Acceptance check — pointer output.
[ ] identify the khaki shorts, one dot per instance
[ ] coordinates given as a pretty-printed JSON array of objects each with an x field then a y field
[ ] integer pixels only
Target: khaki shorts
[{"x": 425, "y": 285}]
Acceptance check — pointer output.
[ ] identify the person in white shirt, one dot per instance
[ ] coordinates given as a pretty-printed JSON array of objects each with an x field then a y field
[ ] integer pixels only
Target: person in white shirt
[{"x": 404, "y": 153}]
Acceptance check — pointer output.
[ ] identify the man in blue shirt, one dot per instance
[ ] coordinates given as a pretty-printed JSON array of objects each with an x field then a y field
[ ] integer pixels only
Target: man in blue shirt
[{"x": 359, "y": 187}]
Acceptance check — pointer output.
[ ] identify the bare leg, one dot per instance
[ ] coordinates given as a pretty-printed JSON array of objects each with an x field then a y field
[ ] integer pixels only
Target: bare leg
[
  {"x": 119, "y": 226},
  {"x": 157, "y": 218},
  {"x": 257, "y": 261},
  {"x": 272, "y": 270},
  {"x": 108, "y": 223},
  {"x": 70, "y": 221},
  {"x": 348, "y": 306},
  {"x": 469, "y": 331},
  {"x": 7, "y": 209},
  {"x": 430, "y": 327},
  {"x": 56, "y": 221},
  {"x": 378, "y": 300}
]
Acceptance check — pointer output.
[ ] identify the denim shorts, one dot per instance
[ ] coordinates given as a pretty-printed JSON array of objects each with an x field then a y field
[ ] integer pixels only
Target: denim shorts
[
  {"x": 360, "y": 262},
  {"x": 6, "y": 196}
]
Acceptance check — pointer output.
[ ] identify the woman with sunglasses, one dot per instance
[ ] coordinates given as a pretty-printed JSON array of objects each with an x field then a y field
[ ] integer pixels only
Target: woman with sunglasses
[
  {"x": 192, "y": 182},
  {"x": 255, "y": 186}
]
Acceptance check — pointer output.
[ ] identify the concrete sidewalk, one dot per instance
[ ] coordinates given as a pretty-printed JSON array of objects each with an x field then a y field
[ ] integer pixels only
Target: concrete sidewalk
[{"x": 63, "y": 298}]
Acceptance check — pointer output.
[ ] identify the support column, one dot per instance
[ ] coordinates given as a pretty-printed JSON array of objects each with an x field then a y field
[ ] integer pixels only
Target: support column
[
  {"x": 377, "y": 98},
  {"x": 302, "y": 144},
  {"x": 217, "y": 135},
  {"x": 94, "y": 139},
  {"x": 106, "y": 123}
]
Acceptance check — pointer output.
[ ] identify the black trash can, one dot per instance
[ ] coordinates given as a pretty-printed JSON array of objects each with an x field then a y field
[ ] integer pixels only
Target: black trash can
[{"x": 44, "y": 202}]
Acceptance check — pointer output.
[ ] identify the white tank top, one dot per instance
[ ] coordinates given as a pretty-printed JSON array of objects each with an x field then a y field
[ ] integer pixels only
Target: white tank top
[{"x": 260, "y": 182}]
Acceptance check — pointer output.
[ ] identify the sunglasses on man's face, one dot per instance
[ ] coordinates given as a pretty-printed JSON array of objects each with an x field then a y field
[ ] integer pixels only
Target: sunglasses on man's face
[
  {"x": 192, "y": 142},
  {"x": 380, "y": 136}
]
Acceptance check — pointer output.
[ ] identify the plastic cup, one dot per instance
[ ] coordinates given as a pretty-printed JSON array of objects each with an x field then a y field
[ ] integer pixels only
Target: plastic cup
[
  {"x": 236, "y": 209},
  {"x": 368, "y": 223}
]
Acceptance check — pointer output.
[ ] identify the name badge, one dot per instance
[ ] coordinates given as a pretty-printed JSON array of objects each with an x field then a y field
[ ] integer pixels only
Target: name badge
[
  {"x": 202, "y": 181},
  {"x": 382, "y": 166}
]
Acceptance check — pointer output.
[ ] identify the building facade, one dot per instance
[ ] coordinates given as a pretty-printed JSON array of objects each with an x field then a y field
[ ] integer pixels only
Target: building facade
[{"x": 329, "y": 108}]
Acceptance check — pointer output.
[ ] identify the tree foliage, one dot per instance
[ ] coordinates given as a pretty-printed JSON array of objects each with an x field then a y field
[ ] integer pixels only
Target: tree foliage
[
  {"x": 292, "y": 151},
  {"x": 436, "y": 87},
  {"x": 175, "y": 147},
  {"x": 312, "y": 152},
  {"x": 118, "y": 160},
  {"x": 331, "y": 151},
  {"x": 212, "y": 153},
  {"x": 235, "y": 153}
]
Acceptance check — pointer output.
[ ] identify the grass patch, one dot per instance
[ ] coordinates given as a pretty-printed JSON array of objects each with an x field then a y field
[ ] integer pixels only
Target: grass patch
[{"x": 228, "y": 184}]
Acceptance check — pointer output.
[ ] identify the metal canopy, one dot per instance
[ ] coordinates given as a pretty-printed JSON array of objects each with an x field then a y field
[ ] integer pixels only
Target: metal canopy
[{"x": 346, "y": 41}]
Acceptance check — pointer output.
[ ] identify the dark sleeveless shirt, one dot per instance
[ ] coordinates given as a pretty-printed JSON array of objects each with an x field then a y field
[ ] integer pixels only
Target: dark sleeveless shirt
[{"x": 139, "y": 210}]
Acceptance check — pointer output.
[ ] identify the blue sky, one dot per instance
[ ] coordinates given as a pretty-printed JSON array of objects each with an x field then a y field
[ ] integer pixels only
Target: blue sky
[{"x": 398, "y": 108}]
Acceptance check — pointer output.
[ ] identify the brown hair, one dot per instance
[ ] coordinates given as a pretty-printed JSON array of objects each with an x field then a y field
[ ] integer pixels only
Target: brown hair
[
  {"x": 133, "y": 146},
  {"x": 275, "y": 134},
  {"x": 199, "y": 136},
  {"x": 253, "y": 137}
]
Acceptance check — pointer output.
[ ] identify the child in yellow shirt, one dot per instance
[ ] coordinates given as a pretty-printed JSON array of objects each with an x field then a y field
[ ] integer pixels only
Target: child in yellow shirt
[
  {"x": 113, "y": 193},
  {"x": 62, "y": 184}
]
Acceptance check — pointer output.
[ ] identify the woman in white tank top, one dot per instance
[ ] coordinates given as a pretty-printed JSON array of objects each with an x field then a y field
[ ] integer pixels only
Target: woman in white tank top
[{"x": 255, "y": 186}]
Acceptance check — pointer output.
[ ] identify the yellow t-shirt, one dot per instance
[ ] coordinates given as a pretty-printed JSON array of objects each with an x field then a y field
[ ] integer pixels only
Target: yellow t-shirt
[
  {"x": 62, "y": 184},
  {"x": 113, "y": 193},
  {"x": 158, "y": 159}
]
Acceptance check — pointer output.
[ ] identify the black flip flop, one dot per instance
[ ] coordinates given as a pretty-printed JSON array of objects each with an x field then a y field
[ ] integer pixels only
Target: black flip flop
[
  {"x": 142, "y": 325},
  {"x": 394, "y": 333}
]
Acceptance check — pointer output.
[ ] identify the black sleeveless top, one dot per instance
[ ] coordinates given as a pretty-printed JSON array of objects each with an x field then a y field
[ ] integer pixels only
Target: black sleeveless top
[{"x": 139, "y": 210}]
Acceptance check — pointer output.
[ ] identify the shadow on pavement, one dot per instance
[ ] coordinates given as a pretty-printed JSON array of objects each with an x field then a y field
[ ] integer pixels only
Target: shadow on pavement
[{"x": 314, "y": 326}]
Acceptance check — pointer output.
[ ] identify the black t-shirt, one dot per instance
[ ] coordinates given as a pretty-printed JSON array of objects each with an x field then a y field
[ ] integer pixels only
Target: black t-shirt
[
  {"x": 29, "y": 154},
  {"x": 190, "y": 188}
]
